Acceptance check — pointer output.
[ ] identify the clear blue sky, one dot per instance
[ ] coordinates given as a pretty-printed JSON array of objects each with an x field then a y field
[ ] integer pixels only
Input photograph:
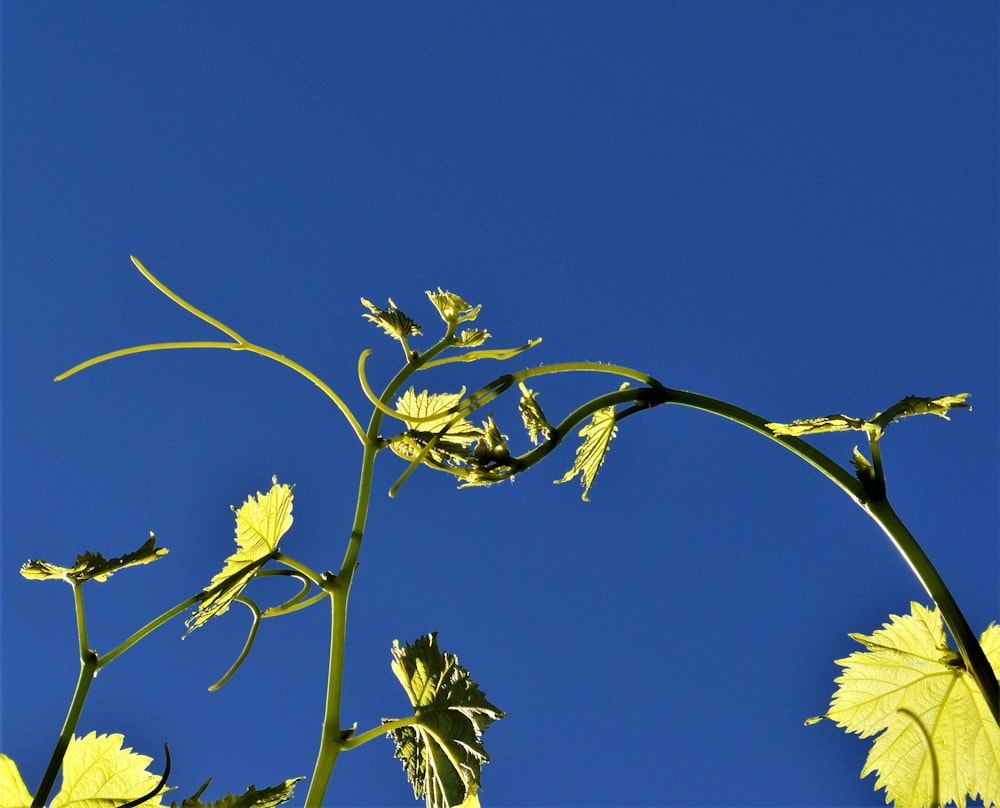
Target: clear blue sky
[{"x": 789, "y": 206}]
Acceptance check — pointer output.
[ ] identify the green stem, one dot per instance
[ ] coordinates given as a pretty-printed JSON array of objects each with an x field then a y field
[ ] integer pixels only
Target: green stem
[
  {"x": 968, "y": 645},
  {"x": 377, "y": 732},
  {"x": 150, "y": 627},
  {"x": 89, "y": 665},
  {"x": 332, "y": 738}
]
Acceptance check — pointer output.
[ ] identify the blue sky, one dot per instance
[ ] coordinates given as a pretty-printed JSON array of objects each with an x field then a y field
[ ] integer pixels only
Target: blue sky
[{"x": 788, "y": 206}]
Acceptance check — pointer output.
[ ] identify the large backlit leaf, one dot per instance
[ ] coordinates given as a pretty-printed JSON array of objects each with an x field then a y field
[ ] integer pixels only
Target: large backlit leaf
[
  {"x": 13, "y": 792},
  {"x": 260, "y": 524},
  {"x": 597, "y": 436},
  {"x": 93, "y": 566},
  {"x": 911, "y": 405},
  {"x": 907, "y": 666},
  {"x": 98, "y": 773},
  {"x": 251, "y": 798},
  {"x": 443, "y": 752}
]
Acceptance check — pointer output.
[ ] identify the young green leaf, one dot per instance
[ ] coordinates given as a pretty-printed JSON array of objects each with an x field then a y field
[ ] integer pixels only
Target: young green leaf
[
  {"x": 907, "y": 669},
  {"x": 426, "y": 415},
  {"x": 93, "y": 566},
  {"x": 97, "y": 773},
  {"x": 913, "y": 405},
  {"x": 826, "y": 423},
  {"x": 13, "y": 792},
  {"x": 597, "y": 437},
  {"x": 393, "y": 321},
  {"x": 532, "y": 415},
  {"x": 260, "y": 524},
  {"x": 875, "y": 426},
  {"x": 471, "y": 337},
  {"x": 442, "y": 753},
  {"x": 251, "y": 798},
  {"x": 452, "y": 308}
]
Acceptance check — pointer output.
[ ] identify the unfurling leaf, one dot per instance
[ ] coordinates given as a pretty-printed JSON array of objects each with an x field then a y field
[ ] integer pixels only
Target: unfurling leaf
[
  {"x": 452, "y": 308},
  {"x": 260, "y": 524},
  {"x": 13, "y": 792},
  {"x": 597, "y": 437},
  {"x": 874, "y": 426},
  {"x": 532, "y": 415},
  {"x": 393, "y": 321},
  {"x": 471, "y": 337},
  {"x": 908, "y": 670},
  {"x": 913, "y": 405},
  {"x": 97, "y": 772},
  {"x": 93, "y": 566},
  {"x": 442, "y": 753},
  {"x": 826, "y": 423},
  {"x": 251, "y": 798}
]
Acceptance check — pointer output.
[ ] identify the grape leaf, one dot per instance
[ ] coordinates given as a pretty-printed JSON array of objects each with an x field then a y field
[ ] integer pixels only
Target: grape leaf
[
  {"x": 13, "y": 792},
  {"x": 260, "y": 524},
  {"x": 875, "y": 426},
  {"x": 453, "y": 309},
  {"x": 251, "y": 798},
  {"x": 597, "y": 436},
  {"x": 913, "y": 405},
  {"x": 97, "y": 773},
  {"x": 532, "y": 415},
  {"x": 472, "y": 337},
  {"x": 825, "y": 423},
  {"x": 426, "y": 415},
  {"x": 908, "y": 666},
  {"x": 393, "y": 321},
  {"x": 442, "y": 753},
  {"x": 92, "y": 566}
]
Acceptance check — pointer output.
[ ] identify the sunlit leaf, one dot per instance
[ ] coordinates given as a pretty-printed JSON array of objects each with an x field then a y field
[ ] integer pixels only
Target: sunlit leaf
[
  {"x": 98, "y": 773},
  {"x": 13, "y": 792},
  {"x": 251, "y": 798},
  {"x": 93, "y": 566},
  {"x": 472, "y": 337},
  {"x": 532, "y": 415},
  {"x": 452, "y": 308},
  {"x": 393, "y": 321},
  {"x": 875, "y": 426},
  {"x": 426, "y": 415},
  {"x": 260, "y": 524},
  {"x": 443, "y": 752},
  {"x": 913, "y": 405},
  {"x": 908, "y": 666},
  {"x": 597, "y": 436},
  {"x": 826, "y": 423}
]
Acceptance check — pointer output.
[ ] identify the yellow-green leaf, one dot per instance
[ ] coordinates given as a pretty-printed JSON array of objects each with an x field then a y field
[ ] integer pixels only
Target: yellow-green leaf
[
  {"x": 260, "y": 524},
  {"x": 825, "y": 423},
  {"x": 874, "y": 426},
  {"x": 426, "y": 415},
  {"x": 13, "y": 792},
  {"x": 442, "y": 752},
  {"x": 92, "y": 566},
  {"x": 597, "y": 436},
  {"x": 532, "y": 415},
  {"x": 907, "y": 671},
  {"x": 391, "y": 320},
  {"x": 452, "y": 308},
  {"x": 97, "y": 773}
]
